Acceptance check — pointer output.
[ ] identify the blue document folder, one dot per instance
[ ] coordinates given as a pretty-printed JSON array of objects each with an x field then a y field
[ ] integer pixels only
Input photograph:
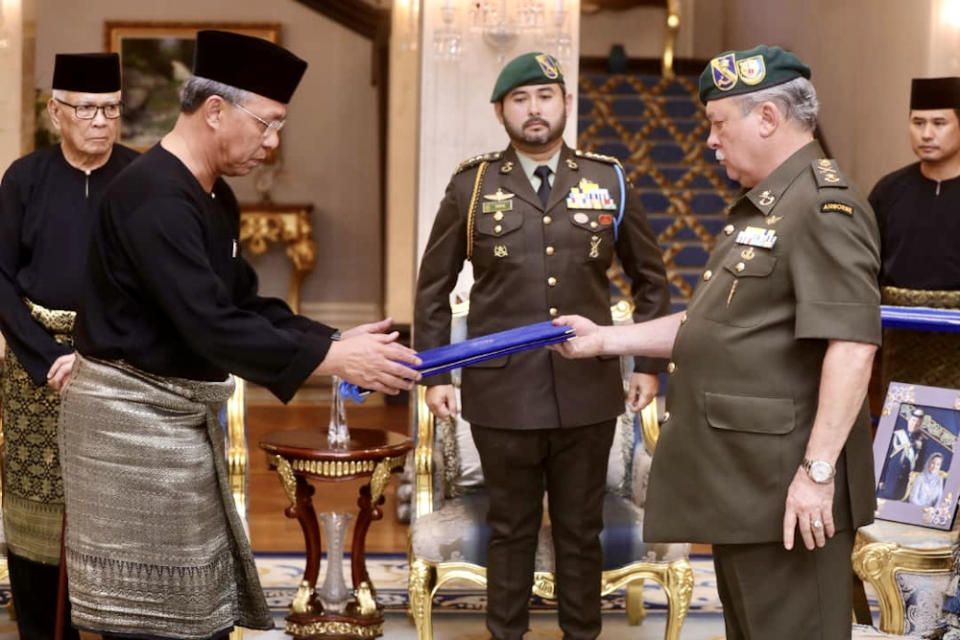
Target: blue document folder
[
  {"x": 473, "y": 350},
  {"x": 920, "y": 318}
]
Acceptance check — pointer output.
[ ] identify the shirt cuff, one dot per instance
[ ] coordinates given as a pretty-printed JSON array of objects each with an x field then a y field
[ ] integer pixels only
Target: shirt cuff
[
  {"x": 853, "y": 322},
  {"x": 303, "y": 364}
]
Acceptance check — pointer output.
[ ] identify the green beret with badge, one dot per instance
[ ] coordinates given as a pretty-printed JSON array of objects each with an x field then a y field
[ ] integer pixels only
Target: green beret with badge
[
  {"x": 530, "y": 68},
  {"x": 734, "y": 73}
]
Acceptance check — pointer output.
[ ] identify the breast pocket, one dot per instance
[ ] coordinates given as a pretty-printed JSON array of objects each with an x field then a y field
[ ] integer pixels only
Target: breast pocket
[
  {"x": 743, "y": 287},
  {"x": 592, "y": 237},
  {"x": 498, "y": 240}
]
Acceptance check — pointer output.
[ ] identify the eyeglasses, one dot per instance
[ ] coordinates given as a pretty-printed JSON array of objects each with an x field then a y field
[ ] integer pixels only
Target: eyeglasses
[
  {"x": 273, "y": 125},
  {"x": 89, "y": 111}
]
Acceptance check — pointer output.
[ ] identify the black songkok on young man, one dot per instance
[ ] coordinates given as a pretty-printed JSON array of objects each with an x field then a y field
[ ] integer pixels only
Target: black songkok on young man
[
  {"x": 935, "y": 93},
  {"x": 87, "y": 72},
  {"x": 248, "y": 63}
]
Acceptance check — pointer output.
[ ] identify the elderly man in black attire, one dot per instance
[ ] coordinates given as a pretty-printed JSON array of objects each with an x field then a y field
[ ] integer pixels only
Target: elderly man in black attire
[
  {"x": 154, "y": 545},
  {"x": 48, "y": 202}
]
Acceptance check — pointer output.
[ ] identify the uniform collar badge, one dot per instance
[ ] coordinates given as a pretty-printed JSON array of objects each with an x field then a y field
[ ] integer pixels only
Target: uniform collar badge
[
  {"x": 724, "y": 72},
  {"x": 572, "y": 165},
  {"x": 765, "y": 199},
  {"x": 506, "y": 167}
]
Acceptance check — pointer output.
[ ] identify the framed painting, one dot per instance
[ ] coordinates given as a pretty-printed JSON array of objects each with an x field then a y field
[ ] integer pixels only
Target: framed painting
[
  {"x": 917, "y": 482},
  {"x": 156, "y": 58}
]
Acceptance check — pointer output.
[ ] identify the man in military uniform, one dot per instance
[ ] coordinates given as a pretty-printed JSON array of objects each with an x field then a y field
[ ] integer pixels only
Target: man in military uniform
[
  {"x": 540, "y": 223},
  {"x": 768, "y": 431}
]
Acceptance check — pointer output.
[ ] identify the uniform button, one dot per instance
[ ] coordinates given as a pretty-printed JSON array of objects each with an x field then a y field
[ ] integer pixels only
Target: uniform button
[
  {"x": 666, "y": 416},
  {"x": 549, "y": 251},
  {"x": 498, "y": 216},
  {"x": 594, "y": 225},
  {"x": 728, "y": 229},
  {"x": 554, "y": 312},
  {"x": 683, "y": 319},
  {"x": 707, "y": 274},
  {"x": 547, "y": 219},
  {"x": 551, "y": 281},
  {"x": 740, "y": 266},
  {"x": 498, "y": 228},
  {"x": 671, "y": 367}
]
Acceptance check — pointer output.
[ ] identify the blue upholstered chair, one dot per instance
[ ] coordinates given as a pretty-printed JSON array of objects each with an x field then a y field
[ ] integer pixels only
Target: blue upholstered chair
[{"x": 449, "y": 534}]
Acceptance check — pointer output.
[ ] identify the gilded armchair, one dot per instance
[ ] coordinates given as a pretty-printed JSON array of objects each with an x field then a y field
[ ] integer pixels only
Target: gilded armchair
[{"x": 448, "y": 530}]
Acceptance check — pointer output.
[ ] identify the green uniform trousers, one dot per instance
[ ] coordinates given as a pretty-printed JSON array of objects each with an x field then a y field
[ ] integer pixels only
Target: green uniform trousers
[{"x": 768, "y": 592}]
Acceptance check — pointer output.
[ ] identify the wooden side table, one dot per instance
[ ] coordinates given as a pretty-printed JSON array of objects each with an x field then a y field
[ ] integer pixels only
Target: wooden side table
[{"x": 300, "y": 456}]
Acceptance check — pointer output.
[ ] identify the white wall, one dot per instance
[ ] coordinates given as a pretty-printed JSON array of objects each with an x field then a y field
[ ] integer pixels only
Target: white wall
[{"x": 329, "y": 146}]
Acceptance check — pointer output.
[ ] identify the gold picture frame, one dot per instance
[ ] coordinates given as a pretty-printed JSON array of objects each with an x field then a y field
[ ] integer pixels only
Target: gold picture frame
[{"x": 155, "y": 58}]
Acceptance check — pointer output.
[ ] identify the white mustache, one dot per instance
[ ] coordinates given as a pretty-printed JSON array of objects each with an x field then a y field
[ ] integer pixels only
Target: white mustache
[{"x": 720, "y": 156}]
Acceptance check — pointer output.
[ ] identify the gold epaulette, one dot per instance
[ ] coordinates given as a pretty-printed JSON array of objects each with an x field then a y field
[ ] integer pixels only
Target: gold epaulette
[
  {"x": 475, "y": 160},
  {"x": 828, "y": 174},
  {"x": 597, "y": 156}
]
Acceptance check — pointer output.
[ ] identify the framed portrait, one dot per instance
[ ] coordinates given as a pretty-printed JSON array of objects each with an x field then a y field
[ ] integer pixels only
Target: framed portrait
[
  {"x": 156, "y": 58},
  {"x": 916, "y": 478}
]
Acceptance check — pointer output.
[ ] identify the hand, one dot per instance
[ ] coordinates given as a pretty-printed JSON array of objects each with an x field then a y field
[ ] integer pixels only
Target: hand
[
  {"x": 372, "y": 361},
  {"x": 371, "y": 327},
  {"x": 442, "y": 400},
  {"x": 807, "y": 504},
  {"x": 60, "y": 370},
  {"x": 643, "y": 388},
  {"x": 586, "y": 344}
]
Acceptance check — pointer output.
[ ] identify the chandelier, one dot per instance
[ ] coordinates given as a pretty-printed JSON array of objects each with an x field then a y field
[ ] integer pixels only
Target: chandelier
[{"x": 501, "y": 23}]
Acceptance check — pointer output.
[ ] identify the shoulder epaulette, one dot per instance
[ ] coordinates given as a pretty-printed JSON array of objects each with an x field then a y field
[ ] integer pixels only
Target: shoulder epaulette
[
  {"x": 828, "y": 174},
  {"x": 475, "y": 160},
  {"x": 596, "y": 156}
]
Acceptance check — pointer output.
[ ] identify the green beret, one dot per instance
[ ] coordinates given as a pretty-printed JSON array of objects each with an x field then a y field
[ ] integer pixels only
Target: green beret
[
  {"x": 530, "y": 68},
  {"x": 734, "y": 73}
]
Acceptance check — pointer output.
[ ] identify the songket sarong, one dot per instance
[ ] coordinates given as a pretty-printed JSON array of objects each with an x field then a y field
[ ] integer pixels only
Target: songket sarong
[
  {"x": 154, "y": 544},
  {"x": 33, "y": 485}
]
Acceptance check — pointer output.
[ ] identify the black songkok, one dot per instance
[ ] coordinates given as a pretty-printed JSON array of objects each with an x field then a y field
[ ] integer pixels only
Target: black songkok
[
  {"x": 935, "y": 93},
  {"x": 248, "y": 63},
  {"x": 87, "y": 72}
]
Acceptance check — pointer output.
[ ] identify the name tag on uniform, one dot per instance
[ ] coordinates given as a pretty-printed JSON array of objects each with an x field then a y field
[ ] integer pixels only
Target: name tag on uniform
[{"x": 757, "y": 237}]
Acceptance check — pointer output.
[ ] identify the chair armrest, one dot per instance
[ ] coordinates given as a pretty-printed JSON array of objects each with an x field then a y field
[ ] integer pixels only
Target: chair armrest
[{"x": 424, "y": 465}]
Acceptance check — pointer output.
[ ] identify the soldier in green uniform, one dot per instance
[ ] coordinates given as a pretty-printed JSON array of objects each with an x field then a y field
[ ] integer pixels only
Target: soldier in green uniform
[
  {"x": 767, "y": 431},
  {"x": 540, "y": 223}
]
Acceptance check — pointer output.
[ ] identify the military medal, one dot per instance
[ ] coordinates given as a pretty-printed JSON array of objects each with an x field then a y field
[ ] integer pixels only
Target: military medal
[
  {"x": 589, "y": 195},
  {"x": 595, "y": 247},
  {"x": 500, "y": 251},
  {"x": 757, "y": 237}
]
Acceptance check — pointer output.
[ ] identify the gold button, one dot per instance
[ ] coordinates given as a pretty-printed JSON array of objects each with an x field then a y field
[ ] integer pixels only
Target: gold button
[
  {"x": 549, "y": 251},
  {"x": 666, "y": 416},
  {"x": 551, "y": 281},
  {"x": 707, "y": 274},
  {"x": 498, "y": 216},
  {"x": 740, "y": 266},
  {"x": 498, "y": 229},
  {"x": 554, "y": 312},
  {"x": 683, "y": 319},
  {"x": 594, "y": 225},
  {"x": 728, "y": 229},
  {"x": 547, "y": 219},
  {"x": 671, "y": 367}
]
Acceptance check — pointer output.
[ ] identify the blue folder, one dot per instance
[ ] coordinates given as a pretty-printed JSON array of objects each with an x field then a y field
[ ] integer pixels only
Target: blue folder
[
  {"x": 493, "y": 345},
  {"x": 920, "y": 318}
]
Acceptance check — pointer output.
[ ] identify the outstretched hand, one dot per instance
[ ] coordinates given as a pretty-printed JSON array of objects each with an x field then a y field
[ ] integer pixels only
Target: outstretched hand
[
  {"x": 381, "y": 326},
  {"x": 372, "y": 361},
  {"x": 588, "y": 341}
]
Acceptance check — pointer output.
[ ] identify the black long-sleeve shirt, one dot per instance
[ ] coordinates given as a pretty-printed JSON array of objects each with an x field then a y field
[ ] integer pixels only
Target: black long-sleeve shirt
[
  {"x": 919, "y": 222},
  {"x": 47, "y": 208},
  {"x": 170, "y": 293}
]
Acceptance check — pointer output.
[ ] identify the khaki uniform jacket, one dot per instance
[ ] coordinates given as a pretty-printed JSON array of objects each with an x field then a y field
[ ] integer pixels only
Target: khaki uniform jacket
[
  {"x": 531, "y": 263},
  {"x": 745, "y": 376}
]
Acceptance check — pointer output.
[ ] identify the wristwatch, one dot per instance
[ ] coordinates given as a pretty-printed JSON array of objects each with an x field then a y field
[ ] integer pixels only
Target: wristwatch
[{"x": 820, "y": 471}]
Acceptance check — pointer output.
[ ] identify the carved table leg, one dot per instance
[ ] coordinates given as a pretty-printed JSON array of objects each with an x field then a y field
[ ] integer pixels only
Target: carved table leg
[
  {"x": 300, "y": 494},
  {"x": 369, "y": 511}
]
